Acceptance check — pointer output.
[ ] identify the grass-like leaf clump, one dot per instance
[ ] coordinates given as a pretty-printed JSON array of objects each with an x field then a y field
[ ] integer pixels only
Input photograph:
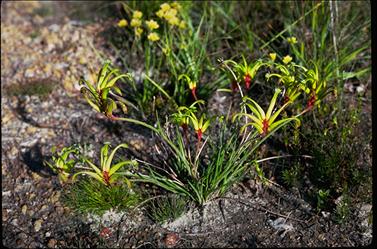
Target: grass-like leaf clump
[{"x": 88, "y": 196}]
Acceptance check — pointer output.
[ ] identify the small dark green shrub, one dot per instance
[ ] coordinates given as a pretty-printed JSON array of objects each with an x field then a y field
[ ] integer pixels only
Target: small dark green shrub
[
  {"x": 88, "y": 196},
  {"x": 165, "y": 208},
  {"x": 41, "y": 88}
]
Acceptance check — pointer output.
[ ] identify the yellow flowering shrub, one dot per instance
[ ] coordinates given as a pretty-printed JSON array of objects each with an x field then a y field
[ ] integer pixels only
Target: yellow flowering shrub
[
  {"x": 160, "y": 13},
  {"x": 171, "y": 13},
  {"x": 176, "y": 5}
]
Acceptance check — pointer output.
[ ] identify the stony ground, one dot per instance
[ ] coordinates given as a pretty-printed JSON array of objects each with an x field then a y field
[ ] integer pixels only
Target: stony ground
[{"x": 57, "y": 50}]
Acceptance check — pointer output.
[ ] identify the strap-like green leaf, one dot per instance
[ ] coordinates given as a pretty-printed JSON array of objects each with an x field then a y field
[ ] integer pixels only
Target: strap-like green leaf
[
  {"x": 104, "y": 153},
  {"x": 282, "y": 122},
  {"x": 91, "y": 174},
  {"x": 272, "y": 103},
  {"x": 256, "y": 125},
  {"x": 94, "y": 167},
  {"x": 106, "y": 167},
  {"x": 95, "y": 106},
  {"x": 113, "y": 80},
  {"x": 101, "y": 75},
  {"x": 259, "y": 111},
  {"x": 107, "y": 77},
  {"x": 119, "y": 165},
  {"x": 276, "y": 114}
]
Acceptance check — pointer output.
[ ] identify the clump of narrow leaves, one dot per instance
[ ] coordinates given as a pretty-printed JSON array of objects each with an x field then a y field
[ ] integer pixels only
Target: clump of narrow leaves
[
  {"x": 63, "y": 161},
  {"x": 264, "y": 122},
  {"x": 107, "y": 173},
  {"x": 104, "y": 95}
]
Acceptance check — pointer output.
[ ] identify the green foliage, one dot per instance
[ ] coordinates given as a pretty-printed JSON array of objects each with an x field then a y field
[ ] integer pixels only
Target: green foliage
[
  {"x": 332, "y": 138},
  {"x": 166, "y": 208},
  {"x": 199, "y": 178},
  {"x": 64, "y": 161},
  {"x": 107, "y": 173},
  {"x": 322, "y": 198},
  {"x": 97, "y": 94},
  {"x": 291, "y": 176},
  {"x": 343, "y": 209},
  {"x": 264, "y": 122},
  {"x": 41, "y": 88},
  {"x": 88, "y": 196},
  {"x": 170, "y": 49}
]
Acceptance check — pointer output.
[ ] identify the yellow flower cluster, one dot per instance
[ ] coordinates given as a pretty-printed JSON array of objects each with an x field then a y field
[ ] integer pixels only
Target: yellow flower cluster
[
  {"x": 152, "y": 24},
  {"x": 292, "y": 40},
  {"x": 136, "y": 22},
  {"x": 153, "y": 37},
  {"x": 273, "y": 56},
  {"x": 122, "y": 23},
  {"x": 169, "y": 13},
  {"x": 287, "y": 59},
  {"x": 137, "y": 14}
]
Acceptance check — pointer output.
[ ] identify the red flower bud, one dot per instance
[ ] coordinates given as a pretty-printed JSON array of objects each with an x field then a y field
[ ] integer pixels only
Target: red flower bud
[
  {"x": 247, "y": 79},
  {"x": 193, "y": 92},
  {"x": 311, "y": 101},
  {"x": 106, "y": 177},
  {"x": 199, "y": 133},
  {"x": 265, "y": 126}
]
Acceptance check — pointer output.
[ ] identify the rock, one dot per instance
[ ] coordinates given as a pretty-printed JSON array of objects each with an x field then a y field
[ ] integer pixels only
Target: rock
[
  {"x": 35, "y": 176},
  {"x": 6, "y": 118},
  {"x": 171, "y": 239},
  {"x": 38, "y": 225},
  {"x": 138, "y": 144},
  {"x": 4, "y": 215},
  {"x": 24, "y": 209},
  {"x": 43, "y": 208},
  {"x": 29, "y": 73},
  {"x": 31, "y": 130},
  {"x": 52, "y": 243},
  {"x": 59, "y": 210},
  {"x": 55, "y": 197}
]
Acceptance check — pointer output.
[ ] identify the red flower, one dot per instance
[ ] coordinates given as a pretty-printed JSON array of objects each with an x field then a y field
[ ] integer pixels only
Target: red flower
[
  {"x": 311, "y": 101},
  {"x": 199, "y": 134},
  {"x": 247, "y": 79},
  {"x": 106, "y": 177},
  {"x": 265, "y": 126}
]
